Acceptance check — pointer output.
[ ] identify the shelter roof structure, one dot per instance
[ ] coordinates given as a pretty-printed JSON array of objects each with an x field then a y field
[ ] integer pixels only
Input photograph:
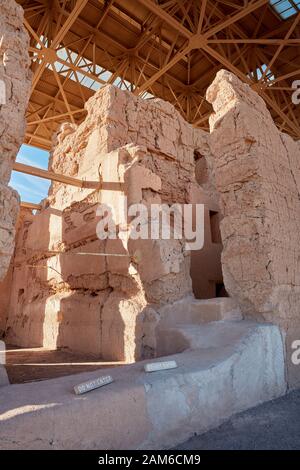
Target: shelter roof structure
[{"x": 170, "y": 49}]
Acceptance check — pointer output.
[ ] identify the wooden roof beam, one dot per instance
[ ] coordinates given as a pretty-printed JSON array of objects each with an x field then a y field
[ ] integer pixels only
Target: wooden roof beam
[
  {"x": 196, "y": 41},
  {"x": 166, "y": 17},
  {"x": 80, "y": 4},
  {"x": 50, "y": 175},
  {"x": 30, "y": 205},
  {"x": 178, "y": 56},
  {"x": 238, "y": 16}
]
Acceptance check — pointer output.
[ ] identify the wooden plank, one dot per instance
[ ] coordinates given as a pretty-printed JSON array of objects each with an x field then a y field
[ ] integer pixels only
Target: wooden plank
[
  {"x": 30, "y": 205},
  {"x": 50, "y": 175}
]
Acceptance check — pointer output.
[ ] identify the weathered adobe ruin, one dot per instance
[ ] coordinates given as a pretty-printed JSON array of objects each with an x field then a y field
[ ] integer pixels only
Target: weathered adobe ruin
[
  {"x": 109, "y": 305},
  {"x": 15, "y": 82},
  {"x": 257, "y": 176}
]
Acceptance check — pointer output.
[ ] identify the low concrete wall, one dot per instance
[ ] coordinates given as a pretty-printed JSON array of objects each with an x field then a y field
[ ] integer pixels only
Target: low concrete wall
[
  {"x": 230, "y": 366},
  {"x": 3, "y": 374}
]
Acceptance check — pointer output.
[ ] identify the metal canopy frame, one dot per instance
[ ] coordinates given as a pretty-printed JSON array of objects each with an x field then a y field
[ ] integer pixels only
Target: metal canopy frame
[{"x": 170, "y": 49}]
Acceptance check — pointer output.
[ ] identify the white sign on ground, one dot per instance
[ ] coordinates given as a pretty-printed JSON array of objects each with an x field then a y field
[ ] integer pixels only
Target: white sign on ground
[
  {"x": 92, "y": 384},
  {"x": 155, "y": 366},
  {"x": 2, "y": 352}
]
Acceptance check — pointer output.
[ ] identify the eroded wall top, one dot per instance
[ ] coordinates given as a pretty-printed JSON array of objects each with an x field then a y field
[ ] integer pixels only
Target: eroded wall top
[
  {"x": 16, "y": 76},
  {"x": 15, "y": 79},
  {"x": 257, "y": 173}
]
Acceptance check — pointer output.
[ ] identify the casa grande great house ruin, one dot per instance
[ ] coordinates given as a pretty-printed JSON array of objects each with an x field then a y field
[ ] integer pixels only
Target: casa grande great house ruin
[{"x": 147, "y": 105}]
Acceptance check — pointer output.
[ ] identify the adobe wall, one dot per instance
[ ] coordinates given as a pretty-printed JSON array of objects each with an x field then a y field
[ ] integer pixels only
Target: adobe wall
[
  {"x": 144, "y": 150},
  {"x": 257, "y": 174},
  {"x": 108, "y": 306},
  {"x": 14, "y": 94}
]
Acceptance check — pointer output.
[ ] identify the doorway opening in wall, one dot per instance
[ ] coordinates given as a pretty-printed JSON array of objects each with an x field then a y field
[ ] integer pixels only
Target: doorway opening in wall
[
  {"x": 206, "y": 268},
  {"x": 214, "y": 220},
  {"x": 219, "y": 288}
]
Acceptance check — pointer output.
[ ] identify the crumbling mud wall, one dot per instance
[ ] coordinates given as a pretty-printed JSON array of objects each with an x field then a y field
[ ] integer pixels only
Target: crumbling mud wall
[
  {"x": 14, "y": 94},
  {"x": 257, "y": 174},
  {"x": 65, "y": 293}
]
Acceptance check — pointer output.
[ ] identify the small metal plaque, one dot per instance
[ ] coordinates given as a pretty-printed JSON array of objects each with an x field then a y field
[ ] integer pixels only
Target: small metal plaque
[
  {"x": 156, "y": 366},
  {"x": 92, "y": 384}
]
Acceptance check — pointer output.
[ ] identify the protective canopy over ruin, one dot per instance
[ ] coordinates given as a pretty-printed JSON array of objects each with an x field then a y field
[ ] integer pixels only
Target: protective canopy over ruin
[
  {"x": 72, "y": 289},
  {"x": 157, "y": 239}
]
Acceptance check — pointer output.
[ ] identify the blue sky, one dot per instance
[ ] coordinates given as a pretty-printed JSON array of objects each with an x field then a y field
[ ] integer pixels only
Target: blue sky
[{"x": 31, "y": 188}]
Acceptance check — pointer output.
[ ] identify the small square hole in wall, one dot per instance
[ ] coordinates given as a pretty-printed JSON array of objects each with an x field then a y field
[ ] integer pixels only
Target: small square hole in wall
[
  {"x": 215, "y": 227},
  {"x": 220, "y": 290}
]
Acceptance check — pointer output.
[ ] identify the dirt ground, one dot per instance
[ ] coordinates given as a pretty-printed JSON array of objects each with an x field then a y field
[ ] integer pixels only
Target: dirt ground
[{"x": 32, "y": 364}]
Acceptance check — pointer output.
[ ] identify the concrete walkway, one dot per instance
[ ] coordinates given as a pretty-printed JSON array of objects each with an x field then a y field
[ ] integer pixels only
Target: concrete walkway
[{"x": 273, "y": 425}]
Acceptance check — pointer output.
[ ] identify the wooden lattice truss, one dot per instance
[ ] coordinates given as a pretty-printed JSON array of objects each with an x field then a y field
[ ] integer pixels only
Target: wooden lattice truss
[{"x": 166, "y": 48}]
